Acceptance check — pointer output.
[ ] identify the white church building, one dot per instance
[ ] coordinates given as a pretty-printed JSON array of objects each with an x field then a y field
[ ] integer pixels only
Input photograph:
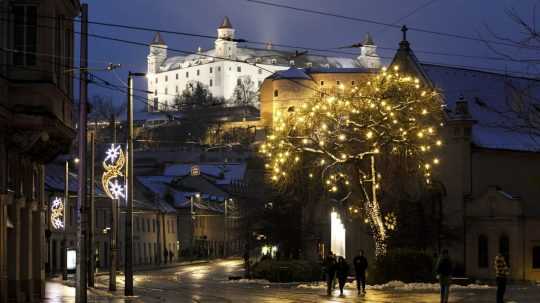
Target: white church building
[{"x": 223, "y": 67}]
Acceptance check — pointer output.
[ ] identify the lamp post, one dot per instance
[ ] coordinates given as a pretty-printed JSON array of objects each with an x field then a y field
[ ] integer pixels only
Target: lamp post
[{"x": 128, "y": 289}]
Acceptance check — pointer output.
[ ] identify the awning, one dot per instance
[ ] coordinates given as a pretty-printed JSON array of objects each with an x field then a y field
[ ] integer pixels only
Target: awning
[{"x": 9, "y": 224}]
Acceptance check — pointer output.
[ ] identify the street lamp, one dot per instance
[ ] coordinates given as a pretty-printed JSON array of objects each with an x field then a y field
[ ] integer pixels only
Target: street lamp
[
  {"x": 66, "y": 203},
  {"x": 128, "y": 289}
]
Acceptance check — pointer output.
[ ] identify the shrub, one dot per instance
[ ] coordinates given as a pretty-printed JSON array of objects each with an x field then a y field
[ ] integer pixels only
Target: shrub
[
  {"x": 287, "y": 271},
  {"x": 403, "y": 265}
]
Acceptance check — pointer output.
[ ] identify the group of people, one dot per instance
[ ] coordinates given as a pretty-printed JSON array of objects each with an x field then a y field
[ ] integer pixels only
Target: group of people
[
  {"x": 337, "y": 267},
  {"x": 443, "y": 269}
]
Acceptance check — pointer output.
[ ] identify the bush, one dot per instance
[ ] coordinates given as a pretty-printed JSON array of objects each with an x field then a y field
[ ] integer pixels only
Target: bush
[
  {"x": 287, "y": 271},
  {"x": 403, "y": 265}
]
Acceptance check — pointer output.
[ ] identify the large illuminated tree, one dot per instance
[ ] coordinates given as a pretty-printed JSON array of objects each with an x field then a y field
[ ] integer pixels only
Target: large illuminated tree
[{"x": 337, "y": 138}]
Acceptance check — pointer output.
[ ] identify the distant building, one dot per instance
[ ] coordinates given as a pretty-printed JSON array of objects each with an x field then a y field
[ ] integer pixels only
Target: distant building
[
  {"x": 490, "y": 171},
  {"x": 222, "y": 68},
  {"x": 36, "y": 124}
]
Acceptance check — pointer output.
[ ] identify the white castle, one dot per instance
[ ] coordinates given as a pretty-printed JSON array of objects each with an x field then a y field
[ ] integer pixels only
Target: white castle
[{"x": 222, "y": 68}]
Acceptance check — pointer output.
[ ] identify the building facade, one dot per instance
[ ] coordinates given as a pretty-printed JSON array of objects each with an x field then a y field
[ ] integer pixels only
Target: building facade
[
  {"x": 229, "y": 64},
  {"x": 36, "y": 103},
  {"x": 489, "y": 174}
]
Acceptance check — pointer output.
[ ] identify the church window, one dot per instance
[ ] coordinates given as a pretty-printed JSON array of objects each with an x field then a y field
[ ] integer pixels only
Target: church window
[
  {"x": 211, "y": 83},
  {"x": 483, "y": 255},
  {"x": 187, "y": 74},
  {"x": 198, "y": 72},
  {"x": 211, "y": 69},
  {"x": 260, "y": 71},
  {"x": 322, "y": 83},
  {"x": 239, "y": 69},
  {"x": 166, "y": 78},
  {"x": 536, "y": 257},
  {"x": 276, "y": 93},
  {"x": 504, "y": 248}
]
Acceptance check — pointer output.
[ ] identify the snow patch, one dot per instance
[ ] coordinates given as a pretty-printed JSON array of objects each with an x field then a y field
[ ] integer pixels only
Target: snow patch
[{"x": 397, "y": 285}]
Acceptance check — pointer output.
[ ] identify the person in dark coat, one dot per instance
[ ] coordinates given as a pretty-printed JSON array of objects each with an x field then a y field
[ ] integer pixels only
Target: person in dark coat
[
  {"x": 360, "y": 267},
  {"x": 342, "y": 270},
  {"x": 501, "y": 274},
  {"x": 330, "y": 271},
  {"x": 444, "y": 274}
]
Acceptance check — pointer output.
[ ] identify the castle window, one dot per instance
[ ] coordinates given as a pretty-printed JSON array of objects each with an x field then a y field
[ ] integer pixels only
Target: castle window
[
  {"x": 176, "y": 89},
  {"x": 156, "y": 103},
  {"x": 322, "y": 83},
  {"x": 157, "y": 80},
  {"x": 166, "y": 91},
  {"x": 536, "y": 257},
  {"x": 338, "y": 82},
  {"x": 276, "y": 93},
  {"x": 260, "y": 71},
  {"x": 211, "y": 83},
  {"x": 166, "y": 78},
  {"x": 483, "y": 255},
  {"x": 155, "y": 92},
  {"x": 176, "y": 76},
  {"x": 187, "y": 74},
  {"x": 352, "y": 82},
  {"x": 274, "y": 61},
  {"x": 504, "y": 248},
  {"x": 219, "y": 68},
  {"x": 211, "y": 69},
  {"x": 239, "y": 69}
]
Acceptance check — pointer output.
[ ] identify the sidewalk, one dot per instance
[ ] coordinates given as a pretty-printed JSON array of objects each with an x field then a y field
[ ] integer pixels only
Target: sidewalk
[{"x": 58, "y": 290}]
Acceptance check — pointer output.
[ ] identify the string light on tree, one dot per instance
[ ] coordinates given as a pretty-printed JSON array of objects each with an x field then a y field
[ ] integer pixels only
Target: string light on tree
[{"x": 341, "y": 136}]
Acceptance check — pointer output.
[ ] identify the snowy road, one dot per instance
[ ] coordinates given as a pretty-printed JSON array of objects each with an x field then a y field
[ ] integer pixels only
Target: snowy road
[{"x": 209, "y": 283}]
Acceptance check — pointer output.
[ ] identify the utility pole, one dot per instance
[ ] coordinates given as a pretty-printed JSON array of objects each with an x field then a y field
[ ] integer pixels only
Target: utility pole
[
  {"x": 113, "y": 236},
  {"x": 225, "y": 229},
  {"x": 66, "y": 208},
  {"x": 128, "y": 288},
  {"x": 92, "y": 212},
  {"x": 80, "y": 294}
]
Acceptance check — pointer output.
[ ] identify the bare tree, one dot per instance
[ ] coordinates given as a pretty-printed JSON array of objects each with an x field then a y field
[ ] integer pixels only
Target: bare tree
[
  {"x": 245, "y": 93},
  {"x": 104, "y": 109}
]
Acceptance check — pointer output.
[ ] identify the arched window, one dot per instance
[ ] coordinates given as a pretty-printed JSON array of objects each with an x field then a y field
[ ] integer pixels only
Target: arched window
[
  {"x": 483, "y": 253},
  {"x": 504, "y": 248}
]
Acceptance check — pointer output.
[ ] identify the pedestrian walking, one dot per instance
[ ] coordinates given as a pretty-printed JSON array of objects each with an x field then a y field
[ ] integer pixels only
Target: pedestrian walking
[
  {"x": 360, "y": 267},
  {"x": 501, "y": 275},
  {"x": 444, "y": 273},
  {"x": 342, "y": 272},
  {"x": 330, "y": 271}
]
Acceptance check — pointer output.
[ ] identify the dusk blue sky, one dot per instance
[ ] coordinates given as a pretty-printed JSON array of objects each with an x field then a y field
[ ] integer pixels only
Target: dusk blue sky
[{"x": 261, "y": 23}]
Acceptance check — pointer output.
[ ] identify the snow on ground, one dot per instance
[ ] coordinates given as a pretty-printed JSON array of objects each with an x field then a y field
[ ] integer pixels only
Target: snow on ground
[{"x": 397, "y": 285}]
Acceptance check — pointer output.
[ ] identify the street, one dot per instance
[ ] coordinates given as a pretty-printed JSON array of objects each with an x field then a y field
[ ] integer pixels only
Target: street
[{"x": 209, "y": 283}]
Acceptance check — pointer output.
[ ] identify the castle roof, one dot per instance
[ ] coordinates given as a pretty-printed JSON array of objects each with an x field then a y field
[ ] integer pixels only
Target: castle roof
[
  {"x": 158, "y": 39},
  {"x": 226, "y": 23}
]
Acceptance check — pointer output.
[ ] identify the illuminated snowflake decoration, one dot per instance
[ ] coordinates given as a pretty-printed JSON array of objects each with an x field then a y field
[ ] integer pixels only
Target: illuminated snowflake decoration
[
  {"x": 116, "y": 189},
  {"x": 113, "y": 165},
  {"x": 57, "y": 213},
  {"x": 390, "y": 220}
]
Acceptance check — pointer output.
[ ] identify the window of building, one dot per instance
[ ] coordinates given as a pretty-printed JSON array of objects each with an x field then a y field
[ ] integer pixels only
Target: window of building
[
  {"x": 176, "y": 89},
  {"x": 166, "y": 78},
  {"x": 322, "y": 83},
  {"x": 187, "y": 74},
  {"x": 483, "y": 253},
  {"x": 166, "y": 90},
  {"x": 260, "y": 71},
  {"x": 238, "y": 81},
  {"x": 25, "y": 34},
  {"x": 338, "y": 82},
  {"x": 156, "y": 103},
  {"x": 211, "y": 69},
  {"x": 157, "y": 80},
  {"x": 536, "y": 257},
  {"x": 211, "y": 83},
  {"x": 198, "y": 72},
  {"x": 276, "y": 93},
  {"x": 176, "y": 76},
  {"x": 239, "y": 69},
  {"x": 504, "y": 248},
  {"x": 274, "y": 61},
  {"x": 219, "y": 68},
  {"x": 352, "y": 82}
]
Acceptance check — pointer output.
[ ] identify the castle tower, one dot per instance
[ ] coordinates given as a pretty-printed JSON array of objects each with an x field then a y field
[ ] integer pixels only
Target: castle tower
[
  {"x": 224, "y": 44},
  {"x": 368, "y": 53},
  {"x": 157, "y": 55}
]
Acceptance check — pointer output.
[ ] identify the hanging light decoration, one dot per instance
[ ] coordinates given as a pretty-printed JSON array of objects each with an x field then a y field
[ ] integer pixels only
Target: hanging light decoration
[
  {"x": 113, "y": 165},
  {"x": 57, "y": 213}
]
